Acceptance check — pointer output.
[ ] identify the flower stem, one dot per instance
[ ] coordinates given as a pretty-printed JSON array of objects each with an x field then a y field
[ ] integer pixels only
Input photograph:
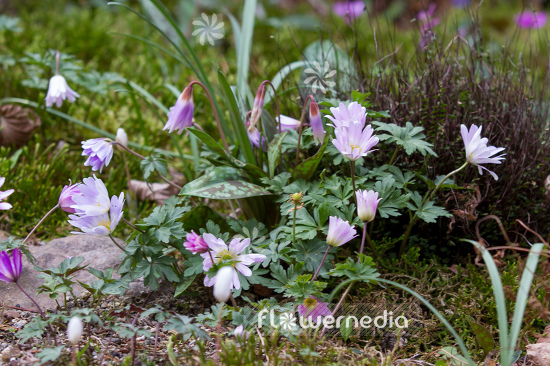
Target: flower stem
[
  {"x": 143, "y": 158},
  {"x": 35, "y": 303},
  {"x": 394, "y": 156},
  {"x": 300, "y": 130},
  {"x": 369, "y": 242},
  {"x": 220, "y": 130},
  {"x": 114, "y": 241},
  {"x": 132, "y": 225},
  {"x": 39, "y": 222},
  {"x": 57, "y": 62},
  {"x": 294, "y": 225},
  {"x": 352, "y": 168},
  {"x": 426, "y": 198},
  {"x": 320, "y": 265},
  {"x": 339, "y": 303}
]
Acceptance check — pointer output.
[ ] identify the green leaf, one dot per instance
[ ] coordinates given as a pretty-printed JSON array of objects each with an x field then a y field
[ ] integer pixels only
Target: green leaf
[
  {"x": 451, "y": 355},
  {"x": 428, "y": 211},
  {"x": 306, "y": 168},
  {"x": 50, "y": 354},
  {"x": 346, "y": 327},
  {"x": 151, "y": 164},
  {"x": 223, "y": 183},
  {"x": 274, "y": 152},
  {"x": 198, "y": 216},
  {"x": 483, "y": 336},
  {"x": 409, "y": 137},
  {"x": 209, "y": 141},
  {"x": 311, "y": 253},
  {"x": 184, "y": 284}
]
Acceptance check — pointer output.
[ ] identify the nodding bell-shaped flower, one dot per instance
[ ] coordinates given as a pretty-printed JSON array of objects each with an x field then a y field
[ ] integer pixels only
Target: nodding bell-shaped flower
[
  {"x": 3, "y": 195},
  {"x": 122, "y": 137},
  {"x": 180, "y": 115},
  {"x": 224, "y": 283},
  {"x": 339, "y": 232},
  {"x": 58, "y": 91},
  {"x": 257, "y": 108},
  {"x": 367, "y": 203},
  {"x": 74, "y": 330},
  {"x": 66, "y": 198},
  {"x": 99, "y": 152},
  {"x": 316, "y": 122},
  {"x": 10, "y": 268},
  {"x": 288, "y": 123}
]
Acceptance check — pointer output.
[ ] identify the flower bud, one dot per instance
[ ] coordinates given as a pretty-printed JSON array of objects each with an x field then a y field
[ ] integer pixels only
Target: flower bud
[
  {"x": 367, "y": 203},
  {"x": 195, "y": 243},
  {"x": 74, "y": 330},
  {"x": 316, "y": 122},
  {"x": 257, "y": 108},
  {"x": 223, "y": 284},
  {"x": 296, "y": 198},
  {"x": 122, "y": 137},
  {"x": 66, "y": 198}
]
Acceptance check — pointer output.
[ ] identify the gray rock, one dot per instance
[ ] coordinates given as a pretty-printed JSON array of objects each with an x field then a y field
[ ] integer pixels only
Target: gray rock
[{"x": 99, "y": 252}]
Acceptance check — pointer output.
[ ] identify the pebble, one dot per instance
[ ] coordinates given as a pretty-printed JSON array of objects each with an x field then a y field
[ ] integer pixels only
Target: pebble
[{"x": 6, "y": 354}]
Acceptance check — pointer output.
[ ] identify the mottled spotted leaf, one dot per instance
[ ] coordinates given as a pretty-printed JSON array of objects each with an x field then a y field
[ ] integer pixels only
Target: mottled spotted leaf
[{"x": 483, "y": 337}]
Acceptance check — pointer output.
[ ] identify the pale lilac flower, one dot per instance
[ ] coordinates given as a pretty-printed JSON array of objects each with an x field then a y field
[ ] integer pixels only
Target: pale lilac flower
[
  {"x": 316, "y": 122},
  {"x": 94, "y": 198},
  {"x": 223, "y": 283},
  {"x": 122, "y": 137},
  {"x": 74, "y": 330},
  {"x": 314, "y": 309},
  {"x": 3, "y": 195},
  {"x": 195, "y": 243},
  {"x": 66, "y": 198},
  {"x": 241, "y": 335},
  {"x": 58, "y": 91},
  {"x": 426, "y": 18},
  {"x": 339, "y": 232},
  {"x": 367, "y": 203},
  {"x": 254, "y": 136},
  {"x": 10, "y": 268},
  {"x": 288, "y": 123},
  {"x": 349, "y": 10},
  {"x": 343, "y": 116},
  {"x": 220, "y": 251},
  {"x": 180, "y": 115},
  {"x": 257, "y": 108},
  {"x": 99, "y": 152},
  {"x": 101, "y": 225},
  {"x": 477, "y": 151},
  {"x": 529, "y": 19},
  {"x": 355, "y": 142},
  {"x": 461, "y": 3}
]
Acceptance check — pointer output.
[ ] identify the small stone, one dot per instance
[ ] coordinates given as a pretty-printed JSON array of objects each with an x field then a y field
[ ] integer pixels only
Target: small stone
[
  {"x": 12, "y": 314},
  {"x": 8, "y": 353}
]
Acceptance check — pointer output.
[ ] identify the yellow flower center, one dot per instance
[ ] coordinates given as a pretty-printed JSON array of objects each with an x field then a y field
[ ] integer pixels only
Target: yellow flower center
[
  {"x": 310, "y": 302},
  {"x": 225, "y": 255},
  {"x": 353, "y": 147},
  {"x": 105, "y": 223}
]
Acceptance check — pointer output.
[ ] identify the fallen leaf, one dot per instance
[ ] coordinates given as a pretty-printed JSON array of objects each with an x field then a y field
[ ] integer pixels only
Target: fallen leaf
[{"x": 539, "y": 353}]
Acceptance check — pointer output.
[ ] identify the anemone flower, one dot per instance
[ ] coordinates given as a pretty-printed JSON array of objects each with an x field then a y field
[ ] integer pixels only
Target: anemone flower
[
  {"x": 339, "y": 232},
  {"x": 94, "y": 198},
  {"x": 344, "y": 115},
  {"x": 180, "y": 115},
  {"x": 355, "y": 142},
  {"x": 529, "y": 19},
  {"x": 288, "y": 123},
  {"x": 349, "y": 10},
  {"x": 74, "y": 330},
  {"x": 367, "y": 203},
  {"x": 3, "y": 195},
  {"x": 10, "y": 268},
  {"x": 241, "y": 335},
  {"x": 220, "y": 251},
  {"x": 477, "y": 151},
  {"x": 195, "y": 243},
  {"x": 100, "y": 225},
  {"x": 316, "y": 122},
  {"x": 99, "y": 152},
  {"x": 223, "y": 283},
  {"x": 66, "y": 197},
  {"x": 314, "y": 309},
  {"x": 58, "y": 91}
]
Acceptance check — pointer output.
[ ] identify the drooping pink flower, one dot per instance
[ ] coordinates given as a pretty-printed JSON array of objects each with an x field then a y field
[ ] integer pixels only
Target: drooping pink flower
[
  {"x": 355, "y": 142},
  {"x": 241, "y": 335},
  {"x": 339, "y": 232},
  {"x": 66, "y": 197},
  {"x": 477, "y": 151},
  {"x": 529, "y": 19},
  {"x": 316, "y": 122},
  {"x": 180, "y": 115},
  {"x": 367, "y": 203},
  {"x": 99, "y": 152},
  {"x": 287, "y": 123},
  {"x": 344, "y": 115},
  {"x": 314, "y": 309},
  {"x": 3, "y": 195},
  {"x": 195, "y": 243},
  {"x": 220, "y": 251},
  {"x": 58, "y": 91},
  {"x": 10, "y": 267},
  {"x": 349, "y": 10},
  {"x": 257, "y": 107}
]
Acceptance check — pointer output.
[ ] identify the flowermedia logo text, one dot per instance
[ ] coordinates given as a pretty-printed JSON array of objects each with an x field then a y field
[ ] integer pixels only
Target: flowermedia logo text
[{"x": 289, "y": 321}]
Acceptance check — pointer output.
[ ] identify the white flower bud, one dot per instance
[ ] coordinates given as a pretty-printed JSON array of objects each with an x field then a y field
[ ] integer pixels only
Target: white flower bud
[
  {"x": 122, "y": 137},
  {"x": 224, "y": 283},
  {"x": 74, "y": 330}
]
